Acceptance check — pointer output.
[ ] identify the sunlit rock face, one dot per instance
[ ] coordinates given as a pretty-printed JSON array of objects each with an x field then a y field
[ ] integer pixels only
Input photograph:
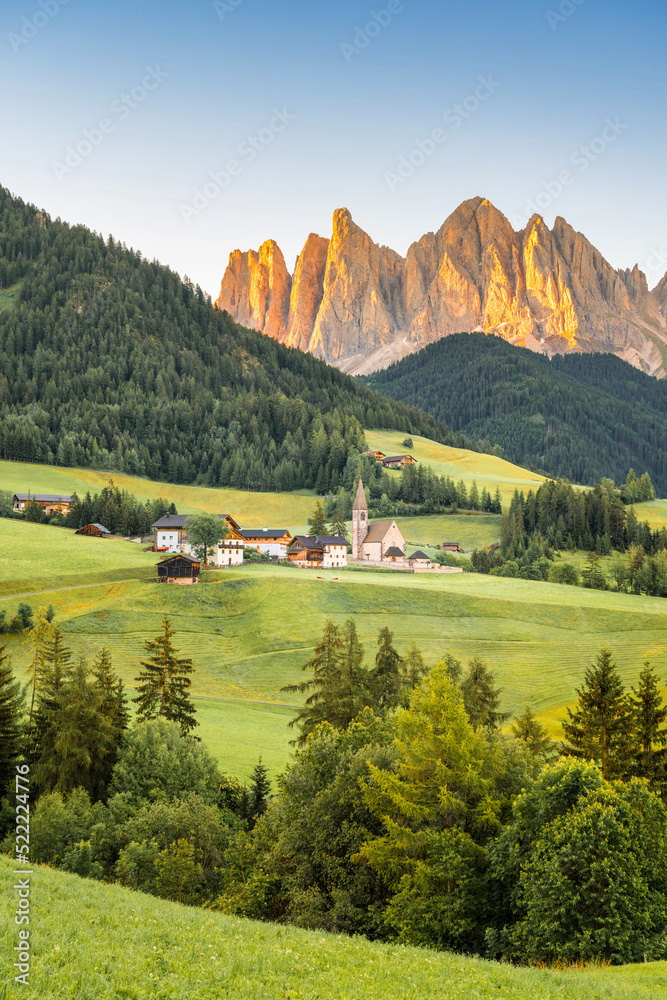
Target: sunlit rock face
[{"x": 361, "y": 306}]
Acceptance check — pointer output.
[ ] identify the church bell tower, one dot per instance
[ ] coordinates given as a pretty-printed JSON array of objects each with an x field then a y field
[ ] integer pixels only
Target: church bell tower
[{"x": 359, "y": 522}]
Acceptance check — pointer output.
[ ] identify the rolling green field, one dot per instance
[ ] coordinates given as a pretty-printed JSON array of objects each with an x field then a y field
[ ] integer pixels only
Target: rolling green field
[
  {"x": 655, "y": 513},
  {"x": 279, "y": 510},
  {"x": 473, "y": 531},
  {"x": 458, "y": 463},
  {"x": 250, "y": 632},
  {"x": 122, "y": 944}
]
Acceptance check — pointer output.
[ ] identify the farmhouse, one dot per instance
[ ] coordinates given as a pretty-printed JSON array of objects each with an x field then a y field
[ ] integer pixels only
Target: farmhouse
[
  {"x": 450, "y": 547},
  {"x": 381, "y": 541},
  {"x": 398, "y": 461},
  {"x": 94, "y": 530},
  {"x": 379, "y": 456},
  {"x": 419, "y": 560},
  {"x": 229, "y": 552},
  {"x": 50, "y": 503},
  {"x": 318, "y": 551},
  {"x": 171, "y": 531},
  {"x": 271, "y": 541},
  {"x": 179, "y": 568}
]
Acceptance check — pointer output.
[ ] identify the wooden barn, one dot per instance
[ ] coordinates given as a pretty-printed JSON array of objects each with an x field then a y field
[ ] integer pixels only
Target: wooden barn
[
  {"x": 94, "y": 530},
  {"x": 450, "y": 547},
  {"x": 178, "y": 568}
]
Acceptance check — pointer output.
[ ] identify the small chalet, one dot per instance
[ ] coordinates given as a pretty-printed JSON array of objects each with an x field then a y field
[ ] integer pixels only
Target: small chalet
[
  {"x": 419, "y": 560},
  {"x": 178, "y": 568},
  {"x": 271, "y": 541},
  {"x": 450, "y": 547},
  {"x": 379, "y": 456},
  {"x": 394, "y": 554},
  {"x": 398, "y": 461},
  {"x": 318, "y": 551},
  {"x": 94, "y": 530},
  {"x": 171, "y": 532},
  {"x": 50, "y": 503}
]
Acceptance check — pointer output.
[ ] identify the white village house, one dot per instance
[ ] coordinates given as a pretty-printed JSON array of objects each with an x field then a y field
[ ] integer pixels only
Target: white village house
[{"x": 318, "y": 551}]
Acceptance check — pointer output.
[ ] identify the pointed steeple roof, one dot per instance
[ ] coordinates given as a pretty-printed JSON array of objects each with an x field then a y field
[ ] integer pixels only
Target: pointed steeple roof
[{"x": 360, "y": 499}]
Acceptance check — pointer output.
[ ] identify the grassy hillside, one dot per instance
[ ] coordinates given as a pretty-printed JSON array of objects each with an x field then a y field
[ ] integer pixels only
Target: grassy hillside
[
  {"x": 487, "y": 470},
  {"x": 254, "y": 509},
  {"x": 122, "y": 944},
  {"x": 250, "y": 633},
  {"x": 579, "y": 416}
]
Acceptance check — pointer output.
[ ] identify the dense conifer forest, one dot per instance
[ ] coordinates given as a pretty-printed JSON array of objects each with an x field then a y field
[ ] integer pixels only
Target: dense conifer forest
[
  {"x": 111, "y": 361},
  {"x": 577, "y": 417}
]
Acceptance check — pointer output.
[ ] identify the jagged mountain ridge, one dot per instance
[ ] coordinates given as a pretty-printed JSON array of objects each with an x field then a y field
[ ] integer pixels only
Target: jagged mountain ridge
[{"x": 362, "y": 306}]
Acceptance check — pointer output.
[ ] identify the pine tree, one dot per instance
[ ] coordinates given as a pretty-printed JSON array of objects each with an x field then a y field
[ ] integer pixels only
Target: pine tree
[
  {"x": 599, "y": 729},
  {"x": 527, "y": 728},
  {"x": 480, "y": 698},
  {"x": 113, "y": 705},
  {"x": 339, "y": 525},
  {"x": 386, "y": 679},
  {"x": 75, "y": 740},
  {"x": 649, "y": 730},
  {"x": 10, "y": 722},
  {"x": 325, "y": 665},
  {"x": 260, "y": 789},
  {"x": 163, "y": 685},
  {"x": 317, "y": 524},
  {"x": 41, "y": 631},
  {"x": 351, "y": 688},
  {"x": 413, "y": 670}
]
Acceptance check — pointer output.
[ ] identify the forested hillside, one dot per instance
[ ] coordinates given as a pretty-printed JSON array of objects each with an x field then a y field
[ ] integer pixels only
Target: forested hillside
[
  {"x": 113, "y": 362},
  {"x": 580, "y": 416}
]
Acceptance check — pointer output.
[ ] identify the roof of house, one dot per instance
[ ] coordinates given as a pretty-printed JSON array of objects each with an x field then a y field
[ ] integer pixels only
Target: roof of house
[
  {"x": 179, "y": 555},
  {"x": 43, "y": 497},
  {"x": 360, "y": 499},
  {"x": 418, "y": 555},
  {"x": 171, "y": 521},
  {"x": 263, "y": 532},
  {"x": 377, "y": 530},
  {"x": 397, "y": 458},
  {"x": 101, "y": 527},
  {"x": 395, "y": 552},
  {"x": 179, "y": 521},
  {"x": 317, "y": 541}
]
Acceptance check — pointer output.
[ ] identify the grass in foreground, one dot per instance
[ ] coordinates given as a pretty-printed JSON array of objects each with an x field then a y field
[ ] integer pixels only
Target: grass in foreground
[{"x": 92, "y": 941}]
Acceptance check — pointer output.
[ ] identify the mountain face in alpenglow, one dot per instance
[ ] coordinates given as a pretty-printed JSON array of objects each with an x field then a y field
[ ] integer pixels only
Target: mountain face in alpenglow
[{"x": 362, "y": 306}]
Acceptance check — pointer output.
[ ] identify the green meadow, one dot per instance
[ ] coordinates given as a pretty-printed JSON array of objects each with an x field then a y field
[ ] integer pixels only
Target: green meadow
[
  {"x": 250, "y": 630},
  {"x": 122, "y": 944},
  {"x": 487, "y": 470}
]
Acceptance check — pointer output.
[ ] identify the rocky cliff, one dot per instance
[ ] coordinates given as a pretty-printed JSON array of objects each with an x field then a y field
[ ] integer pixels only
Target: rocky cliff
[{"x": 361, "y": 306}]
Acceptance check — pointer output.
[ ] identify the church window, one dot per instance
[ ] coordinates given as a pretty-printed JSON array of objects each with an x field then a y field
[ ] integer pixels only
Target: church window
[{"x": 363, "y": 517}]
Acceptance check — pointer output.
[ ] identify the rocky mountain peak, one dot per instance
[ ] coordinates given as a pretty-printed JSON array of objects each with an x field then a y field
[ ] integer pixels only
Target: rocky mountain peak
[{"x": 361, "y": 306}]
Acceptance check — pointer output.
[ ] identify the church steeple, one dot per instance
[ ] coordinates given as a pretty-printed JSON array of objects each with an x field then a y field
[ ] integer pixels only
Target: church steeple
[{"x": 359, "y": 522}]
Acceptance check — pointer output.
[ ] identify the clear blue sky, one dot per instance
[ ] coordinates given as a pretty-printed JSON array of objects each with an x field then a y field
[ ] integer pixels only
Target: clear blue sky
[{"x": 351, "y": 106}]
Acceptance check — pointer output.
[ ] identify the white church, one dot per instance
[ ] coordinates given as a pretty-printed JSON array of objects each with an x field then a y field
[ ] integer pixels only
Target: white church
[{"x": 381, "y": 541}]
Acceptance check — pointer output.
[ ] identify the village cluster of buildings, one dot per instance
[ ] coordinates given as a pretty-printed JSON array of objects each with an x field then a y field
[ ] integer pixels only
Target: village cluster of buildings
[{"x": 378, "y": 543}]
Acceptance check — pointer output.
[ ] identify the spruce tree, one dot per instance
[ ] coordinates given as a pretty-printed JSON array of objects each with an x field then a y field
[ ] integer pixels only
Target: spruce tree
[
  {"x": 413, "y": 670},
  {"x": 317, "y": 523},
  {"x": 481, "y": 698},
  {"x": 599, "y": 728},
  {"x": 339, "y": 524},
  {"x": 10, "y": 722},
  {"x": 260, "y": 789},
  {"x": 113, "y": 705},
  {"x": 76, "y": 740},
  {"x": 527, "y": 728},
  {"x": 326, "y": 666},
  {"x": 386, "y": 677},
  {"x": 351, "y": 691},
  {"x": 163, "y": 685},
  {"x": 649, "y": 730}
]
